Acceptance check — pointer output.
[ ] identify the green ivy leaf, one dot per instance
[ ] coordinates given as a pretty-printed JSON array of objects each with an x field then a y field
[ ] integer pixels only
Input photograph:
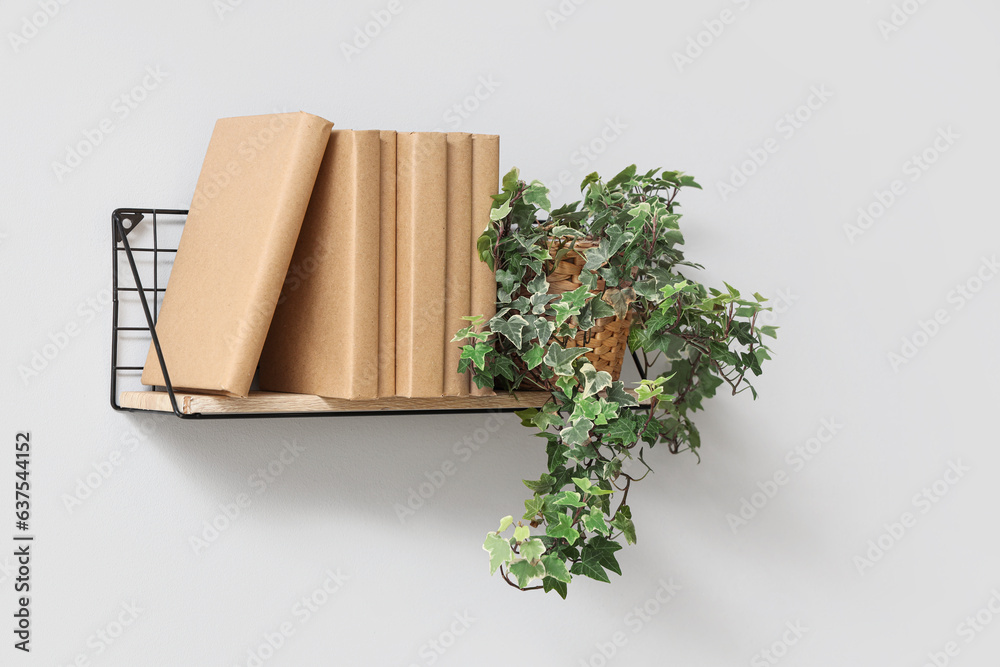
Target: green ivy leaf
[
  {"x": 511, "y": 328},
  {"x": 532, "y": 508},
  {"x": 563, "y": 529},
  {"x": 511, "y": 179},
  {"x": 617, "y": 393},
  {"x": 560, "y": 360},
  {"x": 524, "y": 571},
  {"x": 539, "y": 303},
  {"x": 594, "y": 522},
  {"x": 543, "y": 485},
  {"x": 570, "y": 304},
  {"x": 648, "y": 389},
  {"x": 613, "y": 241},
  {"x": 578, "y": 433},
  {"x": 567, "y": 498},
  {"x": 625, "y": 176},
  {"x": 608, "y": 412},
  {"x": 564, "y": 230},
  {"x": 588, "y": 487},
  {"x": 477, "y": 353},
  {"x": 534, "y": 356},
  {"x": 601, "y": 308},
  {"x": 505, "y": 523},
  {"x": 532, "y": 549},
  {"x": 541, "y": 330},
  {"x": 669, "y": 291},
  {"x": 567, "y": 385},
  {"x": 603, "y": 550},
  {"x": 537, "y": 194},
  {"x": 585, "y": 408},
  {"x": 547, "y": 415},
  {"x": 592, "y": 380},
  {"x": 555, "y": 568},
  {"x": 500, "y": 212},
  {"x": 506, "y": 281},
  {"x": 484, "y": 247},
  {"x": 499, "y": 550},
  {"x": 591, "y": 178},
  {"x": 521, "y": 533},
  {"x": 623, "y": 522},
  {"x": 590, "y": 568},
  {"x": 623, "y": 431},
  {"x": 538, "y": 285},
  {"x": 620, "y": 300},
  {"x": 553, "y": 584}
]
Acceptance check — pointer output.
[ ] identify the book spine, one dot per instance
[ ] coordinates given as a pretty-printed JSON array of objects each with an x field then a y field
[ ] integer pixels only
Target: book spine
[
  {"x": 324, "y": 336},
  {"x": 387, "y": 266},
  {"x": 458, "y": 267},
  {"x": 485, "y": 184},
  {"x": 421, "y": 223},
  {"x": 363, "y": 281}
]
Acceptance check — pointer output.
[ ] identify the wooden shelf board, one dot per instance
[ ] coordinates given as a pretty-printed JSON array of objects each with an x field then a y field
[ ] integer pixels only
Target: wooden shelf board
[{"x": 270, "y": 402}]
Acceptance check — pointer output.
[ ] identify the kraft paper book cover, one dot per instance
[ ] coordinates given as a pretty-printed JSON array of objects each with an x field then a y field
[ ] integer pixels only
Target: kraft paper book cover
[
  {"x": 485, "y": 184},
  {"x": 325, "y": 334},
  {"x": 458, "y": 265},
  {"x": 234, "y": 252},
  {"x": 421, "y": 221}
]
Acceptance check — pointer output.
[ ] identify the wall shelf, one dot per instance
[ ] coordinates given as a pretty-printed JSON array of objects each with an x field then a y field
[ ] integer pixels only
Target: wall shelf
[
  {"x": 263, "y": 402},
  {"x": 186, "y": 405}
]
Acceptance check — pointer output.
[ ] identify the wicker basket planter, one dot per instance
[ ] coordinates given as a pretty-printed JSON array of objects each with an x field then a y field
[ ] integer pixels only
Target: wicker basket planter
[{"x": 608, "y": 338}]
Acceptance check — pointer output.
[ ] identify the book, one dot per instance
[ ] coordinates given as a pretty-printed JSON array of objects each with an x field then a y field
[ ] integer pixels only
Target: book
[
  {"x": 387, "y": 268},
  {"x": 325, "y": 333},
  {"x": 421, "y": 222},
  {"x": 235, "y": 249},
  {"x": 485, "y": 184},
  {"x": 458, "y": 268}
]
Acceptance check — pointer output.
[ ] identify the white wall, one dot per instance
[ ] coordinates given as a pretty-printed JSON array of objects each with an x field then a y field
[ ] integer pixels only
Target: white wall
[{"x": 332, "y": 509}]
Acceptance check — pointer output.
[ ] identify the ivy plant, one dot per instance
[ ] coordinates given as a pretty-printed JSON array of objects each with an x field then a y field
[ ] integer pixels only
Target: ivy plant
[{"x": 689, "y": 340}]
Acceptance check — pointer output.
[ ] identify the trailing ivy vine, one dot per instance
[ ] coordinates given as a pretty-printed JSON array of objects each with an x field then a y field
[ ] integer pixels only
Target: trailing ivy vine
[{"x": 597, "y": 432}]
